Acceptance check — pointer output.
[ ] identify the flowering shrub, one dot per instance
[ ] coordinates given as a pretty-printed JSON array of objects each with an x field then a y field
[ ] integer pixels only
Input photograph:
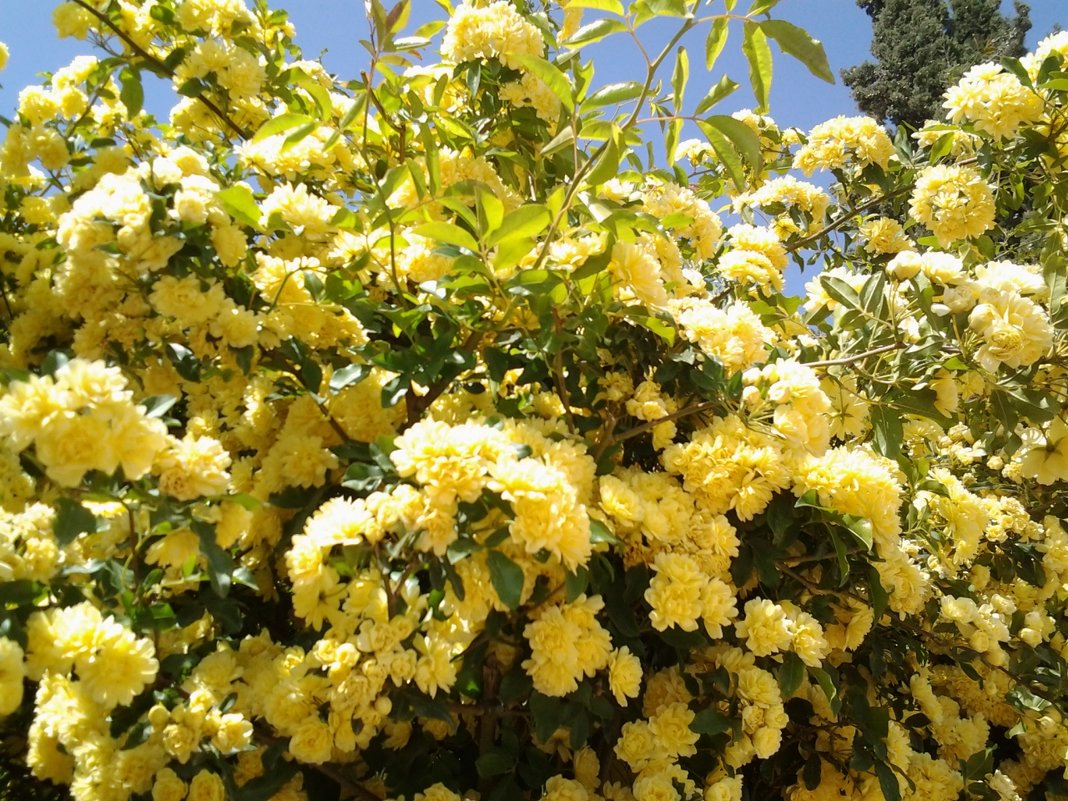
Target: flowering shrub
[{"x": 425, "y": 436}]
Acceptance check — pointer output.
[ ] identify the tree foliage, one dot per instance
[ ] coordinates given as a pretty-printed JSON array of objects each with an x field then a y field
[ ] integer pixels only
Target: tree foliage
[
  {"x": 922, "y": 46},
  {"x": 426, "y": 435}
]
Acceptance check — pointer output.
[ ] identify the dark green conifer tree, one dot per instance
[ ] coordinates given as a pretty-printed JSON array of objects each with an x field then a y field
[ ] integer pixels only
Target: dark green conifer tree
[{"x": 922, "y": 46}]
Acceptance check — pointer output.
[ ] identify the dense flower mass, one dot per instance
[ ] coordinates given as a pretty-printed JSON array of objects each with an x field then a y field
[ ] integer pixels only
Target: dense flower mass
[
  {"x": 421, "y": 437},
  {"x": 954, "y": 202}
]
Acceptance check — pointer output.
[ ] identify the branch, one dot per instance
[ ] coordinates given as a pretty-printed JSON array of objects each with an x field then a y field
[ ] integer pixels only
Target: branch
[
  {"x": 833, "y": 224},
  {"x": 697, "y": 408},
  {"x": 160, "y": 66},
  {"x": 856, "y": 357}
]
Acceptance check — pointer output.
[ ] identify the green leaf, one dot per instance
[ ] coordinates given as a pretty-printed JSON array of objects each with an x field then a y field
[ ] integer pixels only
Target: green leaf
[
  {"x": 548, "y": 714},
  {"x": 611, "y": 6},
  {"x": 797, "y": 42},
  {"x": 158, "y": 405},
  {"x": 812, "y": 771},
  {"x": 283, "y": 122},
  {"x": 490, "y": 210},
  {"x": 648, "y": 9},
  {"x": 551, "y": 75},
  {"x": 607, "y": 165},
  {"x": 710, "y": 721},
  {"x": 194, "y": 87},
  {"x": 841, "y": 555},
  {"x": 220, "y": 565},
  {"x": 507, "y": 578},
  {"x": 829, "y": 686},
  {"x": 612, "y": 94},
  {"x": 726, "y": 153},
  {"x": 525, "y": 222},
  {"x": 841, "y": 291},
  {"x": 576, "y": 583},
  {"x": 239, "y": 202},
  {"x": 448, "y": 233},
  {"x": 741, "y": 136},
  {"x": 761, "y": 7},
  {"x": 860, "y": 528},
  {"x": 298, "y": 135},
  {"x": 1022, "y": 698},
  {"x": 495, "y": 762},
  {"x": 599, "y": 533},
  {"x": 662, "y": 328},
  {"x": 888, "y": 781},
  {"x": 71, "y": 520},
  {"x": 323, "y": 103},
  {"x": 887, "y": 431},
  {"x": 679, "y": 77},
  {"x": 132, "y": 93},
  {"x": 714, "y": 43},
  {"x": 758, "y": 54},
  {"x": 733, "y": 142},
  {"x": 266, "y": 786},
  {"x": 721, "y": 90},
  {"x": 397, "y": 17},
  {"x": 595, "y": 31},
  {"x": 349, "y": 374},
  {"x": 791, "y": 672}
]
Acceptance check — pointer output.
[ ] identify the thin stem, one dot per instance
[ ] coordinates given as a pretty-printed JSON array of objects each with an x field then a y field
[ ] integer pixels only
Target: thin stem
[
  {"x": 835, "y": 223},
  {"x": 587, "y": 167},
  {"x": 160, "y": 66},
  {"x": 697, "y": 408},
  {"x": 856, "y": 357}
]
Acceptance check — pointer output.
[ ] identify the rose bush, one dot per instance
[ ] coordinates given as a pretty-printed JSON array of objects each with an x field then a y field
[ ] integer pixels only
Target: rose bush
[{"x": 433, "y": 434}]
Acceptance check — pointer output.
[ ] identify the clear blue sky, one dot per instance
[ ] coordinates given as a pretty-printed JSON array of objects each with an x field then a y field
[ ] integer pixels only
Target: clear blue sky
[{"x": 334, "y": 26}]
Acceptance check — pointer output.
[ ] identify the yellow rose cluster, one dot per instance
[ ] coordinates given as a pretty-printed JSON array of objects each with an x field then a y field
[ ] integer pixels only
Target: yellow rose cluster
[{"x": 420, "y": 438}]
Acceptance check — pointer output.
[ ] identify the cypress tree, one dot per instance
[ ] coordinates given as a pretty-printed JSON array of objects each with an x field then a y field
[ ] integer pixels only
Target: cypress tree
[{"x": 922, "y": 46}]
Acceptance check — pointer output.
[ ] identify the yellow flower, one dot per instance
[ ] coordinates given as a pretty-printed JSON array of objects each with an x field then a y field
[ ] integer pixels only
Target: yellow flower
[
  {"x": 765, "y": 627},
  {"x": 624, "y": 675},
  {"x": 671, "y": 727},
  {"x": 993, "y": 100},
  {"x": 636, "y": 271},
  {"x": 194, "y": 467},
  {"x": 639, "y": 747},
  {"x": 206, "y": 786},
  {"x": 531, "y": 91},
  {"x": 884, "y": 235},
  {"x": 675, "y": 592},
  {"x": 559, "y": 788},
  {"x": 668, "y": 201},
  {"x": 167, "y": 786},
  {"x": 117, "y": 665},
  {"x": 854, "y": 482},
  {"x": 437, "y": 792},
  {"x": 728, "y": 466},
  {"x": 312, "y": 743},
  {"x": 547, "y": 512},
  {"x": 954, "y": 202},
  {"x": 837, "y": 143},
  {"x": 735, "y": 335},
  {"x": 489, "y": 30},
  {"x": 718, "y": 606},
  {"x": 12, "y": 673},
  {"x": 566, "y": 643},
  {"x": 1015, "y": 330},
  {"x": 1043, "y": 456},
  {"x": 784, "y": 195}
]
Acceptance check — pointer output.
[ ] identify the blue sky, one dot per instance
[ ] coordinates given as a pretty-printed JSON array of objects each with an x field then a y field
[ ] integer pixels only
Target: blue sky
[{"x": 332, "y": 27}]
